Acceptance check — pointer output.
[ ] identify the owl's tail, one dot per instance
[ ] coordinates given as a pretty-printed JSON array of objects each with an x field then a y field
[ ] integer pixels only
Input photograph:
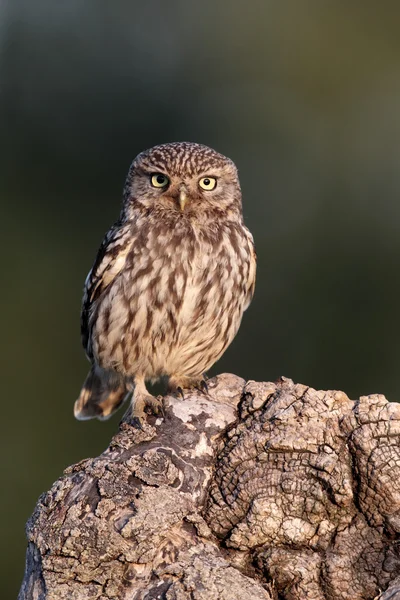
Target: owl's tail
[{"x": 102, "y": 394}]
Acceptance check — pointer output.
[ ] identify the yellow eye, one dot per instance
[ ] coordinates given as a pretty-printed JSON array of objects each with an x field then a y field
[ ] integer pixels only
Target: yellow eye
[
  {"x": 158, "y": 180},
  {"x": 208, "y": 183}
]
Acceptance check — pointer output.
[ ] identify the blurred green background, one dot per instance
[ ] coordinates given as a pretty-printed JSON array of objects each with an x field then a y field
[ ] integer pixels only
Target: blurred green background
[{"x": 304, "y": 96}]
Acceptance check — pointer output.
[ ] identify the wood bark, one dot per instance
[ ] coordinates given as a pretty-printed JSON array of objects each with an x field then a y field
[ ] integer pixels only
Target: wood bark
[{"x": 255, "y": 491}]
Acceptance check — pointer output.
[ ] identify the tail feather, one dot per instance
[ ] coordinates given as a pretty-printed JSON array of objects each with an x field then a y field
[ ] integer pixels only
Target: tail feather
[{"x": 101, "y": 395}]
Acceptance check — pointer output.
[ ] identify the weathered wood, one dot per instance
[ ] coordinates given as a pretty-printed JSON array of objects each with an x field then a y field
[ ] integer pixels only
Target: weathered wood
[{"x": 255, "y": 491}]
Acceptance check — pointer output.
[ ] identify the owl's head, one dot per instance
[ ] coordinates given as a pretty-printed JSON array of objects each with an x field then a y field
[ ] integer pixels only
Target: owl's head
[{"x": 185, "y": 178}]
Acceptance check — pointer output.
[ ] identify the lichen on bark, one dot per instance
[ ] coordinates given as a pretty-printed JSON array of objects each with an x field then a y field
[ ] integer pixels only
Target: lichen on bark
[{"x": 253, "y": 491}]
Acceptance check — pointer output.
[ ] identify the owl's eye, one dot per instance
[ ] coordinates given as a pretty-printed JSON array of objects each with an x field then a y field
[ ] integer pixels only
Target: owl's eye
[
  {"x": 158, "y": 180},
  {"x": 208, "y": 183}
]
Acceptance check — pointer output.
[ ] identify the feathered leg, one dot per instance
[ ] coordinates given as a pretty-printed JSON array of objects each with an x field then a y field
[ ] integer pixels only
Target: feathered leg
[
  {"x": 141, "y": 400},
  {"x": 102, "y": 394}
]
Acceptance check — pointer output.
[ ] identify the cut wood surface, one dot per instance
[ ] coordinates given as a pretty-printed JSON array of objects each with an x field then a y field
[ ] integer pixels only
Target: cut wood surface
[{"x": 254, "y": 491}]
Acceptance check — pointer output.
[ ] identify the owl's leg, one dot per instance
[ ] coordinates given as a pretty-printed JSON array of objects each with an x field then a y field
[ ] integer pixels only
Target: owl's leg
[
  {"x": 141, "y": 400},
  {"x": 179, "y": 383}
]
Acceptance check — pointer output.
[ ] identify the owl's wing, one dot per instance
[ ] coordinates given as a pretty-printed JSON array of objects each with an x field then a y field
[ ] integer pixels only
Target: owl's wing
[
  {"x": 110, "y": 261},
  {"x": 251, "y": 283}
]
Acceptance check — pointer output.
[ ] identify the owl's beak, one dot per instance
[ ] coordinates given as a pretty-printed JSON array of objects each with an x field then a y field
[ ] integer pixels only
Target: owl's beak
[{"x": 183, "y": 198}]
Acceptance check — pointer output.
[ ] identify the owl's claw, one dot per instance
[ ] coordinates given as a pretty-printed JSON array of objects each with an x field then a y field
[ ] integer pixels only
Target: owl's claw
[
  {"x": 203, "y": 386},
  {"x": 136, "y": 422},
  {"x": 160, "y": 407},
  {"x": 147, "y": 404},
  {"x": 179, "y": 384}
]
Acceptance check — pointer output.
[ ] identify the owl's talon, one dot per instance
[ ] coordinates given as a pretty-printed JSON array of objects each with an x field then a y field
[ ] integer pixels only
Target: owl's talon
[
  {"x": 161, "y": 408},
  {"x": 155, "y": 406},
  {"x": 137, "y": 422},
  {"x": 180, "y": 393},
  {"x": 203, "y": 387},
  {"x": 146, "y": 404},
  {"x": 179, "y": 383}
]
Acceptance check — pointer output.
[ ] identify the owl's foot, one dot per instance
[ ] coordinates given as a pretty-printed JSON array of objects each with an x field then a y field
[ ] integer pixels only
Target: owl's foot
[
  {"x": 144, "y": 403},
  {"x": 179, "y": 383}
]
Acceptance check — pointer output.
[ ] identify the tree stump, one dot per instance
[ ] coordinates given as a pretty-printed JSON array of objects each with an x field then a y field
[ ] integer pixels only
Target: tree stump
[{"x": 254, "y": 491}]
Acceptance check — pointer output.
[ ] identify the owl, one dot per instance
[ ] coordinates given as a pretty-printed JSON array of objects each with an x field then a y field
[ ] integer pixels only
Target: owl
[{"x": 167, "y": 291}]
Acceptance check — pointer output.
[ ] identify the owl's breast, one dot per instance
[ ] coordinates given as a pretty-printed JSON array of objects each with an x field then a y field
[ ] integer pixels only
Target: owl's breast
[
  {"x": 176, "y": 305},
  {"x": 208, "y": 296}
]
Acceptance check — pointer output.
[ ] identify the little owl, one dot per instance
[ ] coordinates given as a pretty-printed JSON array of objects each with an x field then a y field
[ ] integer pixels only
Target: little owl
[{"x": 170, "y": 282}]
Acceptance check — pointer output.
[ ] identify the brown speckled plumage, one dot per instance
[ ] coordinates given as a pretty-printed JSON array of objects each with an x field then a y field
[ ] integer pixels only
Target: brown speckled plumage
[{"x": 167, "y": 291}]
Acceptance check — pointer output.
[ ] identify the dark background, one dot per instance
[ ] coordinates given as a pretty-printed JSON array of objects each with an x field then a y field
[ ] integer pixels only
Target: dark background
[{"x": 304, "y": 96}]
